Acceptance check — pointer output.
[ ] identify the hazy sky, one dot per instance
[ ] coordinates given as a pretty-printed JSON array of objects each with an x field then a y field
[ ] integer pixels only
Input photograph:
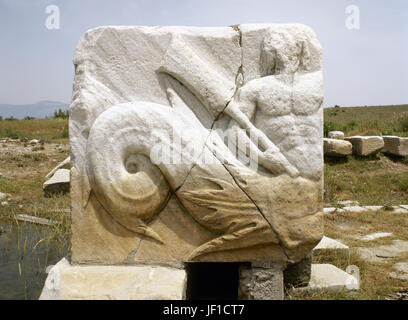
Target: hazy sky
[{"x": 368, "y": 66}]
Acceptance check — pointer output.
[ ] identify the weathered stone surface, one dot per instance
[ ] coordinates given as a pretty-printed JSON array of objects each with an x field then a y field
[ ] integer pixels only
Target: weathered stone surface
[
  {"x": 336, "y": 148},
  {"x": 395, "y": 145},
  {"x": 366, "y": 145},
  {"x": 261, "y": 282},
  {"x": 144, "y": 93},
  {"x": 362, "y": 209},
  {"x": 31, "y": 219},
  {"x": 399, "y": 209},
  {"x": 142, "y": 282},
  {"x": 354, "y": 209},
  {"x": 34, "y": 142},
  {"x": 401, "y": 271},
  {"x": 348, "y": 203},
  {"x": 58, "y": 183},
  {"x": 63, "y": 165},
  {"x": 326, "y": 277},
  {"x": 374, "y": 236},
  {"x": 336, "y": 135},
  {"x": 386, "y": 252},
  {"x": 328, "y": 245},
  {"x": 3, "y": 196}
]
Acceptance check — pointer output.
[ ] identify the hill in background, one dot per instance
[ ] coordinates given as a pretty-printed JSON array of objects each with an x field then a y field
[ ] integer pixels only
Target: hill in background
[{"x": 40, "y": 109}]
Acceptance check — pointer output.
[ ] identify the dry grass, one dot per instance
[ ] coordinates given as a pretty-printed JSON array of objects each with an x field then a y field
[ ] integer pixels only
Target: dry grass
[
  {"x": 378, "y": 120},
  {"x": 379, "y": 180},
  {"x": 375, "y": 284},
  {"x": 46, "y": 129},
  {"x": 24, "y": 173}
]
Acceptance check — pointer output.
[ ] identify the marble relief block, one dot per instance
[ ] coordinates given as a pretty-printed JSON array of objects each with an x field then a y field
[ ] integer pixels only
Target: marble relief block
[{"x": 194, "y": 144}]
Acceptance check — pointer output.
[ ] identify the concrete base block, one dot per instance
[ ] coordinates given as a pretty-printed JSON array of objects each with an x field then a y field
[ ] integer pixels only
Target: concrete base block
[
  {"x": 261, "y": 281},
  {"x": 142, "y": 282}
]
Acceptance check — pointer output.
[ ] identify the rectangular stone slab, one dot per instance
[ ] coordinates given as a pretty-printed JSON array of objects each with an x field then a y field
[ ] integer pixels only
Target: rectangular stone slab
[
  {"x": 154, "y": 177},
  {"x": 67, "y": 282}
]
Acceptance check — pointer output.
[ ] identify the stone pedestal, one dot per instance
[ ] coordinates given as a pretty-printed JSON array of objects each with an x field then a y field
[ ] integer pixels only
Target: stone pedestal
[
  {"x": 91, "y": 282},
  {"x": 261, "y": 281}
]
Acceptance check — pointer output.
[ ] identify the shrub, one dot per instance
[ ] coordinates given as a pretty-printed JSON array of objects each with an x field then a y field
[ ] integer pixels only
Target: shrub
[{"x": 61, "y": 114}]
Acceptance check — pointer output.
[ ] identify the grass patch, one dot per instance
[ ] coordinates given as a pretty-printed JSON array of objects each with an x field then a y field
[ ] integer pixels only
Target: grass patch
[
  {"x": 375, "y": 181},
  {"x": 375, "y": 283},
  {"x": 47, "y": 129},
  {"x": 377, "y": 120}
]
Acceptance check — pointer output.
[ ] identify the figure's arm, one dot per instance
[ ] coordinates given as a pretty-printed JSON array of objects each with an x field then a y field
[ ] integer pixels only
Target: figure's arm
[{"x": 272, "y": 159}]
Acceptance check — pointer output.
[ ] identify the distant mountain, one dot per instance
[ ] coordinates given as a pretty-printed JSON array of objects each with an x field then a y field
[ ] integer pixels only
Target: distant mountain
[{"x": 40, "y": 109}]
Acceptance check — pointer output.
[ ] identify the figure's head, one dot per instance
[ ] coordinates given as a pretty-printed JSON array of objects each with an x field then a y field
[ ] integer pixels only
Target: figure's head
[{"x": 290, "y": 49}]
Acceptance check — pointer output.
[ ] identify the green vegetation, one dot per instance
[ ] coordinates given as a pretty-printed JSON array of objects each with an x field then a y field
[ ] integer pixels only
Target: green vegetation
[
  {"x": 378, "y": 120},
  {"x": 61, "y": 114},
  {"x": 46, "y": 129},
  {"x": 380, "y": 180}
]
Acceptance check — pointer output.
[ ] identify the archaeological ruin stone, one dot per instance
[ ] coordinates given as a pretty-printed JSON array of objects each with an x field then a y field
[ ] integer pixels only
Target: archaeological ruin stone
[
  {"x": 332, "y": 246},
  {"x": 58, "y": 183},
  {"x": 336, "y": 135},
  {"x": 336, "y": 148},
  {"x": 197, "y": 144},
  {"x": 395, "y": 145},
  {"x": 67, "y": 282},
  {"x": 152, "y": 177},
  {"x": 62, "y": 165},
  {"x": 366, "y": 145}
]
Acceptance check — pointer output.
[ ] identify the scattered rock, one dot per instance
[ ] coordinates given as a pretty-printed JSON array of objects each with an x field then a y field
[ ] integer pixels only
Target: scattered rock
[
  {"x": 36, "y": 220},
  {"x": 34, "y": 142},
  {"x": 336, "y": 135},
  {"x": 328, "y": 245},
  {"x": 385, "y": 252},
  {"x": 59, "y": 183},
  {"x": 353, "y": 209},
  {"x": 329, "y": 210},
  {"x": 373, "y": 236},
  {"x": 3, "y": 196},
  {"x": 62, "y": 165},
  {"x": 326, "y": 277},
  {"x": 399, "y": 209},
  {"x": 367, "y": 145},
  {"x": 38, "y": 148},
  {"x": 348, "y": 203},
  {"x": 4, "y": 203},
  {"x": 373, "y": 208},
  {"x": 400, "y": 295},
  {"x": 336, "y": 148},
  {"x": 401, "y": 271},
  {"x": 395, "y": 145}
]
